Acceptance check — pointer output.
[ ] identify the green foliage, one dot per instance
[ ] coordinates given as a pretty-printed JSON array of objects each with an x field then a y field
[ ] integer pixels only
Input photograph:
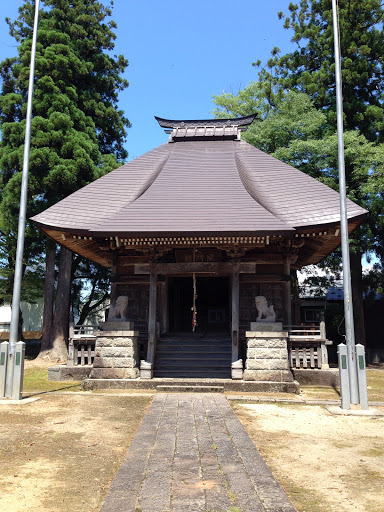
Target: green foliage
[
  {"x": 78, "y": 131},
  {"x": 311, "y": 69},
  {"x": 296, "y": 104}
]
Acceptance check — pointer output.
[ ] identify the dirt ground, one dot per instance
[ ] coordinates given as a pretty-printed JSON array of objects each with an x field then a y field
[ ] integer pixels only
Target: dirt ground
[
  {"x": 325, "y": 463},
  {"x": 60, "y": 453}
]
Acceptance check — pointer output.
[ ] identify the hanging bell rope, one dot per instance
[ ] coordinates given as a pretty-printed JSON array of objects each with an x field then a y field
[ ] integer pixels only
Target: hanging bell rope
[{"x": 194, "y": 310}]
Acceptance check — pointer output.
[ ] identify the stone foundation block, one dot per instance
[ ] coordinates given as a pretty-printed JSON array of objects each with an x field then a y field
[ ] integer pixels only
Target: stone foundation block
[
  {"x": 117, "y": 325},
  {"x": 114, "y": 373},
  {"x": 64, "y": 372},
  {"x": 115, "y": 355},
  {"x": 146, "y": 370},
  {"x": 237, "y": 370},
  {"x": 264, "y": 326},
  {"x": 123, "y": 342},
  {"x": 107, "y": 373},
  {"x": 272, "y": 343},
  {"x": 102, "y": 362},
  {"x": 104, "y": 342},
  {"x": 124, "y": 362},
  {"x": 264, "y": 353},
  {"x": 117, "y": 352},
  {"x": 268, "y": 375},
  {"x": 266, "y": 364}
]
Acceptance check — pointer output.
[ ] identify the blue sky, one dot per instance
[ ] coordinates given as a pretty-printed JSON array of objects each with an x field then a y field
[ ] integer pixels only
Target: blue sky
[{"x": 181, "y": 54}]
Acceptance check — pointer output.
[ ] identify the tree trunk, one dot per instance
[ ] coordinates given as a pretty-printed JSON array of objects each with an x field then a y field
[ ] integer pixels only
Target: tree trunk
[
  {"x": 60, "y": 324},
  {"x": 357, "y": 297},
  {"x": 20, "y": 327},
  {"x": 88, "y": 308},
  {"x": 49, "y": 295}
]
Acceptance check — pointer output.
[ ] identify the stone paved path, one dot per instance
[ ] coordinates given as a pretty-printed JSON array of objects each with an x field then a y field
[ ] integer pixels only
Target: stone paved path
[{"x": 191, "y": 454}]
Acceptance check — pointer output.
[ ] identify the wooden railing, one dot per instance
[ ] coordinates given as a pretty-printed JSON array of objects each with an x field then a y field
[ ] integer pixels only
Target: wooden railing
[
  {"x": 307, "y": 332},
  {"x": 81, "y": 348},
  {"x": 308, "y": 355},
  {"x": 307, "y": 346}
]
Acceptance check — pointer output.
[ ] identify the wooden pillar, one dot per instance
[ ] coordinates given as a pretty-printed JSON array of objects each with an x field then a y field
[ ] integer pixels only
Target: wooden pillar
[
  {"x": 152, "y": 313},
  {"x": 114, "y": 274},
  {"x": 287, "y": 291},
  {"x": 235, "y": 311},
  {"x": 164, "y": 306}
]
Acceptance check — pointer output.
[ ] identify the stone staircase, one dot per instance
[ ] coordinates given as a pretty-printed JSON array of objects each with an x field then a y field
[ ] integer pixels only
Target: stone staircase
[{"x": 191, "y": 355}]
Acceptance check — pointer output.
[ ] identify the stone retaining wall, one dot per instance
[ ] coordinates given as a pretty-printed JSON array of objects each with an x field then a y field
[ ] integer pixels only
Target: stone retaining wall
[{"x": 116, "y": 355}]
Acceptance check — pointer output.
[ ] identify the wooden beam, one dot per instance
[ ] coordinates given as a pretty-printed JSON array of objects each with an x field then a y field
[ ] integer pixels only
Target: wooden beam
[
  {"x": 197, "y": 267},
  {"x": 152, "y": 314},
  {"x": 259, "y": 278},
  {"x": 235, "y": 311}
]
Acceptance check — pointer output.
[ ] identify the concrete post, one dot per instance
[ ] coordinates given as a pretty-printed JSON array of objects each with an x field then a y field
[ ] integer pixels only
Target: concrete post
[
  {"x": 18, "y": 372},
  {"x": 362, "y": 376},
  {"x": 3, "y": 366},
  {"x": 344, "y": 376},
  {"x": 10, "y": 370}
]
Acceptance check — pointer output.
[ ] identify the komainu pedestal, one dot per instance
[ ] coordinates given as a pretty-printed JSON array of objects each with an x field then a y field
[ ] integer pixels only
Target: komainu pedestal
[
  {"x": 267, "y": 356},
  {"x": 116, "y": 355}
]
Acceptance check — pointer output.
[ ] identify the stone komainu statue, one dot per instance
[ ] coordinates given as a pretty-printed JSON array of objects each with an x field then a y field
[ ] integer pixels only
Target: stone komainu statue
[
  {"x": 119, "y": 309},
  {"x": 264, "y": 313}
]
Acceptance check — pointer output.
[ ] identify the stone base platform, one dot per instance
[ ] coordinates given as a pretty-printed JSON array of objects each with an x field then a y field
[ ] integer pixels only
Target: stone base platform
[
  {"x": 226, "y": 385},
  {"x": 267, "y": 357},
  {"x": 307, "y": 377},
  {"x": 64, "y": 372},
  {"x": 303, "y": 378},
  {"x": 116, "y": 325},
  {"x": 116, "y": 355}
]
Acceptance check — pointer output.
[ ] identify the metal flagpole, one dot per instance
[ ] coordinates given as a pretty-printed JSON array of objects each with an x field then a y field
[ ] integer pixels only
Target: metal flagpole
[
  {"x": 13, "y": 332},
  {"x": 348, "y": 306}
]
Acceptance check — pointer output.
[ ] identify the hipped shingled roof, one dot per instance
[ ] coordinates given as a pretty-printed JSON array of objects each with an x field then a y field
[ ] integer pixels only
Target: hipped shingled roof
[{"x": 205, "y": 180}]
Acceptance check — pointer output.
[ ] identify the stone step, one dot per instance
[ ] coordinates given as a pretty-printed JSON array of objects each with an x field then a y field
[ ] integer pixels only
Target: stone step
[
  {"x": 181, "y": 341},
  {"x": 189, "y": 389},
  {"x": 197, "y": 358},
  {"x": 192, "y": 352},
  {"x": 192, "y": 374},
  {"x": 191, "y": 357},
  {"x": 188, "y": 355}
]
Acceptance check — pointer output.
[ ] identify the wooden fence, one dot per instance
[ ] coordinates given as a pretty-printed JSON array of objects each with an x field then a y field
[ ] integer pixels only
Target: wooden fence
[
  {"x": 307, "y": 346},
  {"x": 82, "y": 341}
]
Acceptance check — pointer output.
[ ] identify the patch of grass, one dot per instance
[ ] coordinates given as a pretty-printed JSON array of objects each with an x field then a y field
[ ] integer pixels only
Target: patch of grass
[
  {"x": 36, "y": 380},
  {"x": 304, "y": 499},
  {"x": 320, "y": 392},
  {"x": 373, "y": 452},
  {"x": 375, "y": 383},
  {"x": 231, "y": 496}
]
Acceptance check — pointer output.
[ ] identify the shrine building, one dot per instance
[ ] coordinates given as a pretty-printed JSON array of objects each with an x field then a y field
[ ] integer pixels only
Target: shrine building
[{"x": 194, "y": 231}]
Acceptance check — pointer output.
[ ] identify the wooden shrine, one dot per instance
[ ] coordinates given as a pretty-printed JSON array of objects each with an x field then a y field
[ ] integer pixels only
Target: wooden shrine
[{"x": 193, "y": 232}]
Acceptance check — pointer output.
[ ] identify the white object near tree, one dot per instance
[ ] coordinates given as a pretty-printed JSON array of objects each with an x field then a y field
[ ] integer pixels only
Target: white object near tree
[
  {"x": 119, "y": 309},
  {"x": 265, "y": 313}
]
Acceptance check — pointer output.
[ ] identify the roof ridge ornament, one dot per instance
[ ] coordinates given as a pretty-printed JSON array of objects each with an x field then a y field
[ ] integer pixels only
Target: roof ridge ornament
[{"x": 205, "y": 129}]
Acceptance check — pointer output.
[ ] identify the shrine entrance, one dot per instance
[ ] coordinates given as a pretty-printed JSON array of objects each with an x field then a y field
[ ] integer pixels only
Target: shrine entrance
[{"x": 212, "y": 304}]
